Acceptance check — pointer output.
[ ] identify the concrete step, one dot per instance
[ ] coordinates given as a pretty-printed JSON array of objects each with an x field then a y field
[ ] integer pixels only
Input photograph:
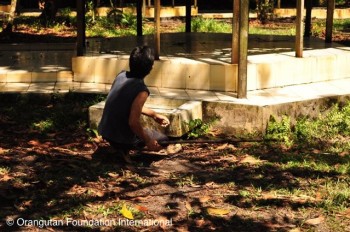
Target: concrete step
[{"x": 179, "y": 112}]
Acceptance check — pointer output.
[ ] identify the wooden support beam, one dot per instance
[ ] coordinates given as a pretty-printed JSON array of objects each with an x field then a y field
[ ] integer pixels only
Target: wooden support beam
[
  {"x": 235, "y": 33},
  {"x": 243, "y": 49},
  {"x": 144, "y": 4},
  {"x": 308, "y": 6},
  {"x": 81, "y": 28},
  {"x": 329, "y": 20},
  {"x": 278, "y": 4},
  {"x": 188, "y": 15},
  {"x": 157, "y": 29},
  {"x": 299, "y": 40},
  {"x": 139, "y": 17}
]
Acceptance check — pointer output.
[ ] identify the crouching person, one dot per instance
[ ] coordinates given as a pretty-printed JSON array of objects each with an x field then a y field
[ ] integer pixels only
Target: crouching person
[{"x": 120, "y": 123}]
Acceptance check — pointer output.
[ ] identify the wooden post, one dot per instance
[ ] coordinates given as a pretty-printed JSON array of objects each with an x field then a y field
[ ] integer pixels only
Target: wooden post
[
  {"x": 243, "y": 49},
  {"x": 139, "y": 17},
  {"x": 188, "y": 15},
  {"x": 81, "y": 27},
  {"x": 235, "y": 33},
  {"x": 157, "y": 28},
  {"x": 144, "y": 6},
  {"x": 329, "y": 20},
  {"x": 308, "y": 6},
  {"x": 299, "y": 41}
]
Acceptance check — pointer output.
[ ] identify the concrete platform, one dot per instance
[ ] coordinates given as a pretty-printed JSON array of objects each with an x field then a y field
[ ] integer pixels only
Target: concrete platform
[
  {"x": 323, "y": 75},
  {"x": 201, "y": 61},
  {"x": 236, "y": 115},
  {"x": 179, "y": 112}
]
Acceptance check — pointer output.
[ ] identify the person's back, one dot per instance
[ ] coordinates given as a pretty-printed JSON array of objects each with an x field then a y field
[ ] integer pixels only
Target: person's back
[{"x": 114, "y": 125}]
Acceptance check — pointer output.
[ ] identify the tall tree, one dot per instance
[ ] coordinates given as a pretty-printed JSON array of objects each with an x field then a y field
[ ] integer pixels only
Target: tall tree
[{"x": 9, "y": 26}]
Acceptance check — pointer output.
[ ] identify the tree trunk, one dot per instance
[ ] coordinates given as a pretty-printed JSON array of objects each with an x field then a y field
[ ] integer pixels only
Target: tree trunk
[{"x": 9, "y": 25}]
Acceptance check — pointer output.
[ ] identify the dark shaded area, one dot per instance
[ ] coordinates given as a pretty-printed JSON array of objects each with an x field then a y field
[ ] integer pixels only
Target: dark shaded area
[
  {"x": 59, "y": 171},
  {"x": 18, "y": 37}
]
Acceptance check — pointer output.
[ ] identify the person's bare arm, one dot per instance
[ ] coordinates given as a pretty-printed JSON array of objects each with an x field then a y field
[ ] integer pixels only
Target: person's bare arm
[
  {"x": 134, "y": 121},
  {"x": 160, "y": 119}
]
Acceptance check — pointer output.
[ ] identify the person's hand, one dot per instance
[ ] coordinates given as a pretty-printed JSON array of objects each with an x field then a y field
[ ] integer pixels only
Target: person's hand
[
  {"x": 162, "y": 120},
  {"x": 153, "y": 145}
]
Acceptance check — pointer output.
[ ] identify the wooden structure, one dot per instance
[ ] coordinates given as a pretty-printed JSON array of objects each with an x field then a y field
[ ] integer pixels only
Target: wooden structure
[{"x": 239, "y": 32}]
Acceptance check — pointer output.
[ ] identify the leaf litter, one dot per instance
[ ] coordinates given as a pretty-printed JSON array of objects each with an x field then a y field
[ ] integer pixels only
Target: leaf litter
[{"x": 203, "y": 187}]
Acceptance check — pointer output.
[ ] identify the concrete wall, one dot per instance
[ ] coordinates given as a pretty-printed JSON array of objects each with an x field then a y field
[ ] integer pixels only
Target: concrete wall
[
  {"x": 177, "y": 11},
  {"x": 178, "y": 73},
  {"x": 237, "y": 119},
  {"x": 320, "y": 13},
  {"x": 264, "y": 71}
]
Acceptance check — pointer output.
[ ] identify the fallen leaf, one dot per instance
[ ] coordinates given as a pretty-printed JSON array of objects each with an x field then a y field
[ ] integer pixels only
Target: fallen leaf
[
  {"x": 126, "y": 213},
  {"x": 212, "y": 184},
  {"x": 268, "y": 196},
  {"x": 218, "y": 211},
  {"x": 99, "y": 193},
  {"x": 200, "y": 222},
  {"x": 318, "y": 197},
  {"x": 188, "y": 206},
  {"x": 34, "y": 143},
  {"x": 112, "y": 174},
  {"x": 344, "y": 153},
  {"x": 3, "y": 151},
  {"x": 141, "y": 208},
  {"x": 294, "y": 230},
  {"x": 345, "y": 213},
  {"x": 204, "y": 199},
  {"x": 6, "y": 178},
  {"x": 250, "y": 160},
  {"x": 315, "y": 221},
  {"x": 141, "y": 198},
  {"x": 222, "y": 147}
]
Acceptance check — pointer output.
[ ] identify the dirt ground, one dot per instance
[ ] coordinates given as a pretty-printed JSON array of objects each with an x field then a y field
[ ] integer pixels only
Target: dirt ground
[
  {"x": 67, "y": 176},
  {"x": 58, "y": 171}
]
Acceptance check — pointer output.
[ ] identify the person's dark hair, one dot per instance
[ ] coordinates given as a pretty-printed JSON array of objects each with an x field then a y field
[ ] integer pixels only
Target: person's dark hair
[{"x": 141, "y": 61}]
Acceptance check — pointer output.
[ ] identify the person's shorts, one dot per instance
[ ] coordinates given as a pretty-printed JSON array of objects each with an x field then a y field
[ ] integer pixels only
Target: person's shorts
[{"x": 138, "y": 144}]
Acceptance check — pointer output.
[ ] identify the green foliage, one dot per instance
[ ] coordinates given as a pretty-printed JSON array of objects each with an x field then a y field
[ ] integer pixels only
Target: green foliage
[
  {"x": 319, "y": 26},
  {"x": 128, "y": 20},
  {"x": 280, "y": 130},
  {"x": 115, "y": 24},
  {"x": 200, "y": 24},
  {"x": 65, "y": 12},
  {"x": 264, "y": 9},
  {"x": 329, "y": 131},
  {"x": 262, "y": 30},
  {"x": 44, "y": 126},
  {"x": 198, "y": 128}
]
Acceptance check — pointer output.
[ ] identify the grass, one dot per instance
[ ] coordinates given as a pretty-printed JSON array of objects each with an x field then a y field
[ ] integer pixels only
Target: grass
[
  {"x": 329, "y": 131},
  {"x": 107, "y": 27},
  {"x": 318, "y": 26}
]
